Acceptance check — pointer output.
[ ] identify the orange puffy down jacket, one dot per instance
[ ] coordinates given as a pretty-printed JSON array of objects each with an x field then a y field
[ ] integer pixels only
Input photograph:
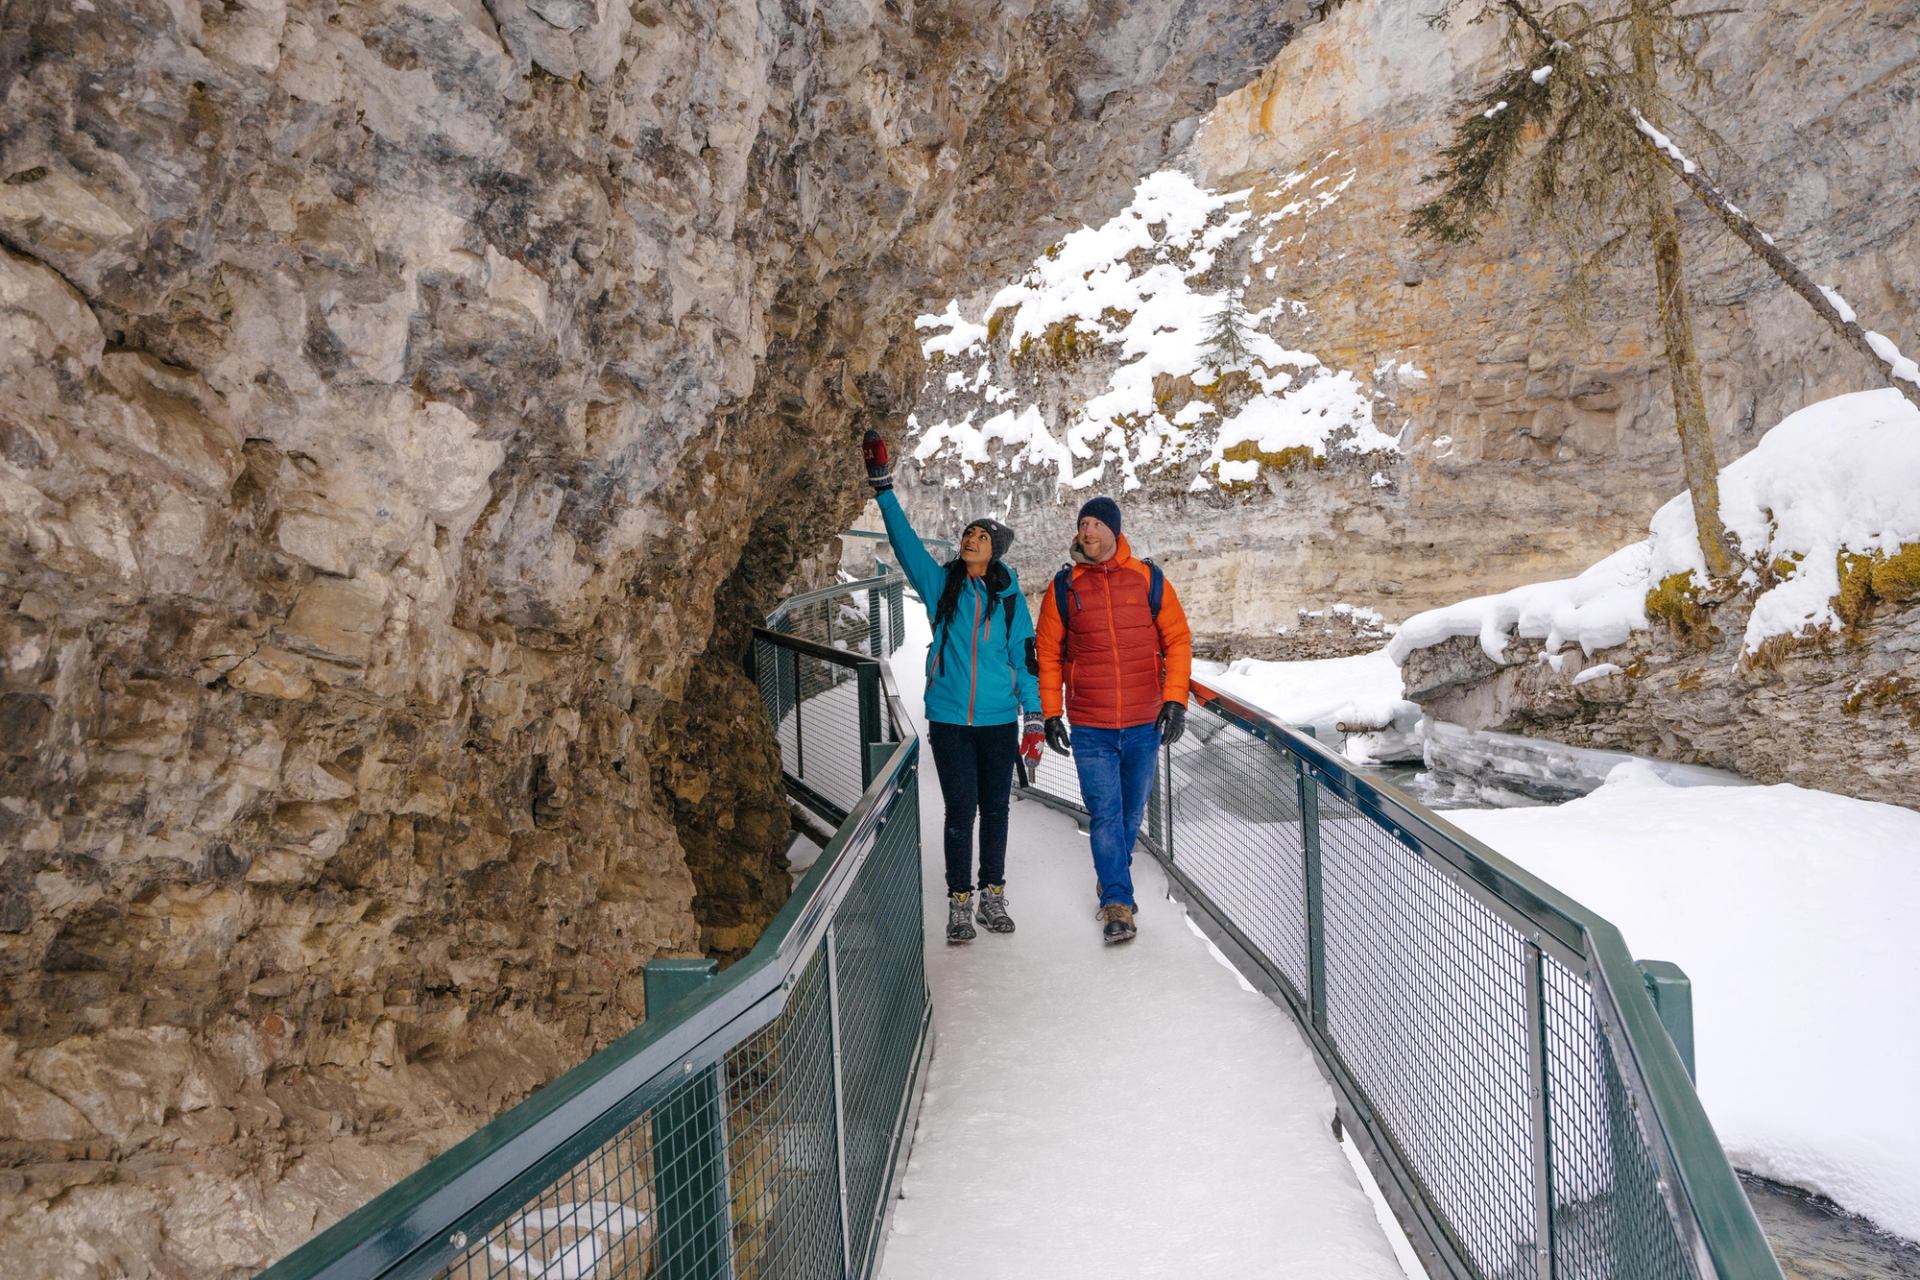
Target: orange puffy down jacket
[{"x": 1119, "y": 663}]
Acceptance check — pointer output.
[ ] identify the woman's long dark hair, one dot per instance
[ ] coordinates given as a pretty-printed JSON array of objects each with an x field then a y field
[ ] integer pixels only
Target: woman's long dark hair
[{"x": 997, "y": 579}]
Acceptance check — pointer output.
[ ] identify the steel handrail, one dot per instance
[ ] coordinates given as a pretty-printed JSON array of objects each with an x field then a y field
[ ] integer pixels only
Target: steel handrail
[
  {"x": 818, "y": 594},
  {"x": 421, "y": 1223},
  {"x": 1719, "y": 1209}
]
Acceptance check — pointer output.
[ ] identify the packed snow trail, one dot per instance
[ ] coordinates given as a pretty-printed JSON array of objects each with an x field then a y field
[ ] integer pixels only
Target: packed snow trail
[{"x": 1091, "y": 1110}]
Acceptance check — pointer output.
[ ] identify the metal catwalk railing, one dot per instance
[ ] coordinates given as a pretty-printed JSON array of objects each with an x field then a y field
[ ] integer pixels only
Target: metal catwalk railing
[
  {"x": 755, "y": 1124},
  {"x": 1497, "y": 1055}
]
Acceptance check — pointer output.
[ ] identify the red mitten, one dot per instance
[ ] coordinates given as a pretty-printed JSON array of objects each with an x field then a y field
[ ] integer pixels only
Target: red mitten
[{"x": 1032, "y": 741}]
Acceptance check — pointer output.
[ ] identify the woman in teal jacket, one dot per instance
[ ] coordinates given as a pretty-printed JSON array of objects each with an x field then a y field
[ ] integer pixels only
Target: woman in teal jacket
[{"x": 983, "y": 694}]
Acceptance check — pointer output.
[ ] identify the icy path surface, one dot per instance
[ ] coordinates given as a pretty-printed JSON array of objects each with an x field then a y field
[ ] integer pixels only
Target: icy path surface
[{"x": 1112, "y": 1111}]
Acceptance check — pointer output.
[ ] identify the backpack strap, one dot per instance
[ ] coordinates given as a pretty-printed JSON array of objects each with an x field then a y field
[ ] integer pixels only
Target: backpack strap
[
  {"x": 1006, "y": 608},
  {"x": 1062, "y": 589},
  {"x": 1156, "y": 588}
]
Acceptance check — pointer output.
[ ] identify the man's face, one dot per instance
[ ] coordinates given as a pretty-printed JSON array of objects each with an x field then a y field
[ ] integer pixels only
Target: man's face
[
  {"x": 1097, "y": 542},
  {"x": 976, "y": 548}
]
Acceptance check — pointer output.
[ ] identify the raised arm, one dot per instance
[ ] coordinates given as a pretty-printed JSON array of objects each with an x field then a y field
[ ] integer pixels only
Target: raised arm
[{"x": 921, "y": 569}]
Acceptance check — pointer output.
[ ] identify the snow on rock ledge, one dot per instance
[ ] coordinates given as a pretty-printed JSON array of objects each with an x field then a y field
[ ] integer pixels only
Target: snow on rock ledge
[
  {"x": 1807, "y": 670},
  {"x": 1839, "y": 478}
]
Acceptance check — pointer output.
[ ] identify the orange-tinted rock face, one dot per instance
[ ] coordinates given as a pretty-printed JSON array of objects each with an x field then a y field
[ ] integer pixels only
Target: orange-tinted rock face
[{"x": 1531, "y": 444}]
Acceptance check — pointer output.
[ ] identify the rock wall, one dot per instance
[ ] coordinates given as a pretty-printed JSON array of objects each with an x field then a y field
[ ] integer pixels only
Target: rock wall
[
  {"x": 406, "y": 410},
  {"x": 1532, "y": 445}
]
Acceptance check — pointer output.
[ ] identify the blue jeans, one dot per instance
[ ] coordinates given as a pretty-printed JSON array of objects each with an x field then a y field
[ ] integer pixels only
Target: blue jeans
[{"x": 1116, "y": 775}]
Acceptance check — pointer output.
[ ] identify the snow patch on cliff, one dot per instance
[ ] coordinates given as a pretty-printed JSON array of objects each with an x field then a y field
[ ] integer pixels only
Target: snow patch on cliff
[{"x": 1142, "y": 284}]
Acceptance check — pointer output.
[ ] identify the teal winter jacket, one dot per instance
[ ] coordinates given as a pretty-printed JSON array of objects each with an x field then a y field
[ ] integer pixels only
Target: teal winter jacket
[{"x": 981, "y": 666}]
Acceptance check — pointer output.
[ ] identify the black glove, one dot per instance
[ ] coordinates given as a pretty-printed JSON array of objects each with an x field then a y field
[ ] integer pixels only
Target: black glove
[
  {"x": 1057, "y": 736},
  {"x": 879, "y": 470},
  {"x": 1172, "y": 722}
]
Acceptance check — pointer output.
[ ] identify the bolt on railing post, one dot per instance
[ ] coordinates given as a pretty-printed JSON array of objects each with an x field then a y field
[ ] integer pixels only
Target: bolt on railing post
[
  {"x": 1309, "y": 796},
  {"x": 832, "y": 948},
  {"x": 689, "y": 1147},
  {"x": 1542, "y": 1124}
]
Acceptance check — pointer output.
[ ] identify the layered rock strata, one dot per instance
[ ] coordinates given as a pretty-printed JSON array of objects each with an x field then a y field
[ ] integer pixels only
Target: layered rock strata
[
  {"x": 406, "y": 411},
  {"x": 1533, "y": 440}
]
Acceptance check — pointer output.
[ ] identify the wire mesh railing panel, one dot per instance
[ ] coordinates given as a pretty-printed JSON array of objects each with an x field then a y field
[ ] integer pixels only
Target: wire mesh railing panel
[
  {"x": 782, "y": 1148},
  {"x": 596, "y": 1220},
  {"x": 878, "y": 963},
  {"x": 1427, "y": 1007},
  {"x": 1236, "y": 835},
  {"x": 818, "y": 728},
  {"x": 1610, "y": 1217}
]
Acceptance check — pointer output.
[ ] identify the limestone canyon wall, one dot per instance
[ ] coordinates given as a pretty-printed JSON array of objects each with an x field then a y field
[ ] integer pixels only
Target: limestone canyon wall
[
  {"x": 1530, "y": 446},
  {"x": 406, "y": 409}
]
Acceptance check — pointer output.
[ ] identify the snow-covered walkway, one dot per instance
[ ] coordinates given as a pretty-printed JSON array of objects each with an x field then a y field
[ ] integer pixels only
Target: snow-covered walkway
[{"x": 1112, "y": 1111}]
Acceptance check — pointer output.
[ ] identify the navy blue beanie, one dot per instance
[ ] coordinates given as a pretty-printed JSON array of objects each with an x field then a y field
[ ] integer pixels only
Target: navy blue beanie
[{"x": 1103, "y": 509}]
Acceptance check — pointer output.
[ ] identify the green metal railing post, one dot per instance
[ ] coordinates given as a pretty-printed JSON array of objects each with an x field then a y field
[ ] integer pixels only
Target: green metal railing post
[
  {"x": 799, "y": 736},
  {"x": 868, "y": 674},
  {"x": 1541, "y": 1121},
  {"x": 1309, "y": 795},
  {"x": 832, "y": 954},
  {"x": 689, "y": 1147},
  {"x": 877, "y": 621},
  {"x": 1672, "y": 993}
]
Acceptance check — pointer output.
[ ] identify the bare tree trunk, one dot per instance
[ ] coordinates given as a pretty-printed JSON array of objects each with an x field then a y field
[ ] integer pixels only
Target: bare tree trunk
[
  {"x": 1683, "y": 369},
  {"x": 1676, "y": 325},
  {"x": 1784, "y": 267}
]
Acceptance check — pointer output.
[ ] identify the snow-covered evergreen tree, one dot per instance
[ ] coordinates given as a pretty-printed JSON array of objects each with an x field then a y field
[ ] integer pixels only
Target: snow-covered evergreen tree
[{"x": 1226, "y": 344}]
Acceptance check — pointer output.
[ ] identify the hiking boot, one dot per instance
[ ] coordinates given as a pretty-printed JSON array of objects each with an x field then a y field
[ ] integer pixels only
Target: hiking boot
[
  {"x": 1116, "y": 922},
  {"x": 960, "y": 917},
  {"x": 993, "y": 909}
]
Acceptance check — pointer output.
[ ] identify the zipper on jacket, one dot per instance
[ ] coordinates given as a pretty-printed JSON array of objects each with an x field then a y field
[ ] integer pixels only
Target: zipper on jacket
[
  {"x": 1113, "y": 638},
  {"x": 973, "y": 678}
]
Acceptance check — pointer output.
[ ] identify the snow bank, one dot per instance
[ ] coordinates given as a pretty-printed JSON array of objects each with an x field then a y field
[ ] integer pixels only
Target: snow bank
[
  {"x": 1135, "y": 283},
  {"x": 1839, "y": 475},
  {"x": 1788, "y": 909},
  {"x": 1363, "y": 692}
]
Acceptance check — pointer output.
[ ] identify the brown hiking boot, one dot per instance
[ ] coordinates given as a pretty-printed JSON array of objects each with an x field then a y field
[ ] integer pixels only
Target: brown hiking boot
[{"x": 1116, "y": 922}]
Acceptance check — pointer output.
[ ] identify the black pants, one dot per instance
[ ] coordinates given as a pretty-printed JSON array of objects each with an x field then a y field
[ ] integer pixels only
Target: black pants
[{"x": 975, "y": 764}]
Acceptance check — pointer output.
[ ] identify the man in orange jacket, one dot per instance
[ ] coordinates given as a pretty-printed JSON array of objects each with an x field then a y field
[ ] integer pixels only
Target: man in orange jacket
[{"x": 1124, "y": 658}]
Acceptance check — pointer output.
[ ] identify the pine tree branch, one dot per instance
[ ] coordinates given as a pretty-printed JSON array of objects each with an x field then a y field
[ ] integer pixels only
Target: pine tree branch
[{"x": 1900, "y": 371}]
